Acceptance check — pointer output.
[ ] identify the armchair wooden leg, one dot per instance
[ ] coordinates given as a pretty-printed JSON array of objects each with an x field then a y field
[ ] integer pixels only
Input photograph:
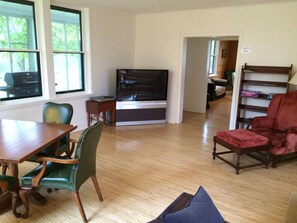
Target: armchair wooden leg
[
  {"x": 79, "y": 205},
  {"x": 95, "y": 182},
  {"x": 274, "y": 161}
]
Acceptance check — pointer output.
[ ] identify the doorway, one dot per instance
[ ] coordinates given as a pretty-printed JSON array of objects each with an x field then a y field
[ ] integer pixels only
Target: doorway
[{"x": 195, "y": 69}]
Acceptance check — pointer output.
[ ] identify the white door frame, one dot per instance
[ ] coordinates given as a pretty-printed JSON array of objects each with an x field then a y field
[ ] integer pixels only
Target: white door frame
[{"x": 183, "y": 53}]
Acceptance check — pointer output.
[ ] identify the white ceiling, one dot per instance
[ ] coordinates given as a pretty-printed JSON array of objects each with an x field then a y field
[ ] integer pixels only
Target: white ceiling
[{"x": 148, "y": 6}]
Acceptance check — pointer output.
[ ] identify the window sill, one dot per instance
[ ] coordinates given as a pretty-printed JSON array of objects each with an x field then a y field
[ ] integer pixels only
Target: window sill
[{"x": 29, "y": 102}]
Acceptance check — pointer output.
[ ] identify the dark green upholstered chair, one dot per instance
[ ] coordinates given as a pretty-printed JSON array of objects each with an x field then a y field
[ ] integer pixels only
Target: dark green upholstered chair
[
  {"x": 67, "y": 173},
  {"x": 10, "y": 184},
  {"x": 61, "y": 114}
]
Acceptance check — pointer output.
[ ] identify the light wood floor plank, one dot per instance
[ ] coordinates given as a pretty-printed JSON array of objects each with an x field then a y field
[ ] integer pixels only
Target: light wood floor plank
[{"x": 142, "y": 169}]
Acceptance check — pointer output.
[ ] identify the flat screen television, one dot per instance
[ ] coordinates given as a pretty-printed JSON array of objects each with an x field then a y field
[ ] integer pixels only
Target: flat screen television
[{"x": 141, "y": 85}]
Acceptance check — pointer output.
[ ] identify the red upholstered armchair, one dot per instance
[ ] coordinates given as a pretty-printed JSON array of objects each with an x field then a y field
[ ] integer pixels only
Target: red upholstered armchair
[{"x": 280, "y": 125}]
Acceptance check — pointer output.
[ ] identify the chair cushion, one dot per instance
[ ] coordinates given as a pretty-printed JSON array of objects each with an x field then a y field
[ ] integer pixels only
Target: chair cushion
[
  {"x": 201, "y": 209},
  {"x": 242, "y": 138},
  {"x": 55, "y": 176},
  {"x": 6, "y": 182},
  {"x": 275, "y": 137}
]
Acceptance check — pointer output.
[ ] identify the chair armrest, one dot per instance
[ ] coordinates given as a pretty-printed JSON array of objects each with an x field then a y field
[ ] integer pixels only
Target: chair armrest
[
  {"x": 290, "y": 139},
  {"x": 220, "y": 82},
  {"x": 72, "y": 142},
  {"x": 292, "y": 129},
  {"x": 43, "y": 159},
  {"x": 262, "y": 122},
  {"x": 60, "y": 160}
]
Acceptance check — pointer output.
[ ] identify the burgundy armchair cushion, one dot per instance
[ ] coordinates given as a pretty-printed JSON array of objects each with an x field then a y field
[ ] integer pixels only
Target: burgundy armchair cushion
[
  {"x": 275, "y": 137},
  {"x": 263, "y": 122}
]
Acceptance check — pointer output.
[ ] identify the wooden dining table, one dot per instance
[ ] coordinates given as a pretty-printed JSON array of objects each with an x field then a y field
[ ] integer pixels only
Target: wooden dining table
[{"x": 20, "y": 140}]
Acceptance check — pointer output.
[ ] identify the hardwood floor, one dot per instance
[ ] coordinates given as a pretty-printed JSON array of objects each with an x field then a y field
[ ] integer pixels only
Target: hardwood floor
[{"x": 142, "y": 169}]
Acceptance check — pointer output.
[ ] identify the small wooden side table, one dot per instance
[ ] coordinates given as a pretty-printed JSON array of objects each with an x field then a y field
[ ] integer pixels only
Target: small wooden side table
[{"x": 98, "y": 106}]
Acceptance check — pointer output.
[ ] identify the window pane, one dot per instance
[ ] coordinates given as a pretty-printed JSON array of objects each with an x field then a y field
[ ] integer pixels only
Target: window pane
[
  {"x": 213, "y": 47},
  {"x": 19, "y": 69},
  {"x": 68, "y": 75},
  {"x": 3, "y": 32},
  {"x": 17, "y": 29},
  {"x": 17, "y": 62},
  {"x": 68, "y": 55},
  {"x": 211, "y": 65},
  {"x": 66, "y": 30},
  {"x": 212, "y": 56}
]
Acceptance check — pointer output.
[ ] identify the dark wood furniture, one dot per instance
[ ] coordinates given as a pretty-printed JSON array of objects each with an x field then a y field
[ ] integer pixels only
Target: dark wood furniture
[
  {"x": 240, "y": 149},
  {"x": 216, "y": 88},
  {"x": 20, "y": 140},
  {"x": 96, "y": 107},
  {"x": 66, "y": 174},
  {"x": 279, "y": 126},
  {"x": 267, "y": 80}
]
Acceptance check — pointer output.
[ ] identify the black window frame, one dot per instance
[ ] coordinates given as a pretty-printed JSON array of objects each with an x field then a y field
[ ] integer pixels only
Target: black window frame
[
  {"x": 36, "y": 51},
  {"x": 81, "y": 52}
]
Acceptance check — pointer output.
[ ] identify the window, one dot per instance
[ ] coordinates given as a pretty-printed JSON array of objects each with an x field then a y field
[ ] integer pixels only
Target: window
[
  {"x": 19, "y": 58},
  {"x": 212, "y": 61},
  {"x": 67, "y": 49}
]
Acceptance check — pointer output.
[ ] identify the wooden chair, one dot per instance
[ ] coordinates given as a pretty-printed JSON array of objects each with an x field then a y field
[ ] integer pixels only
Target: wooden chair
[{"x": 66, "y": 173}]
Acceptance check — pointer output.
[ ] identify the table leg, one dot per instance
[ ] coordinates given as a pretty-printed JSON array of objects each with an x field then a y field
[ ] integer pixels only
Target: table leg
[
  {"x": 104, "y": 118},
  {"x": 89, "y": 119},
  {"x": 14, "y": 171},
  {"x": 113, "y": 117}
]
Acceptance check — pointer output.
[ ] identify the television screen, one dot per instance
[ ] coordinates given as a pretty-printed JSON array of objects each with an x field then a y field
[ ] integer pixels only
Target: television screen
[{"x": 141, "y": 85}]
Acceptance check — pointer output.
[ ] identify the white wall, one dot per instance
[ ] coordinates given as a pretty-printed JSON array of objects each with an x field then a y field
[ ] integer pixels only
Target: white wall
[
  {"x": 157, "y": 41},
  {"x": 269, "y": 30},
  {"x": 112, "y": 46},
  {"x": 196, "y": 75},
  {"x": 113, "y": 38}
]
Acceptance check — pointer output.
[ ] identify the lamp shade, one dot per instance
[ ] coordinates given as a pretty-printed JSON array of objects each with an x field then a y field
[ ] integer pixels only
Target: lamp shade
[{"x": 293, "y": 79}]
